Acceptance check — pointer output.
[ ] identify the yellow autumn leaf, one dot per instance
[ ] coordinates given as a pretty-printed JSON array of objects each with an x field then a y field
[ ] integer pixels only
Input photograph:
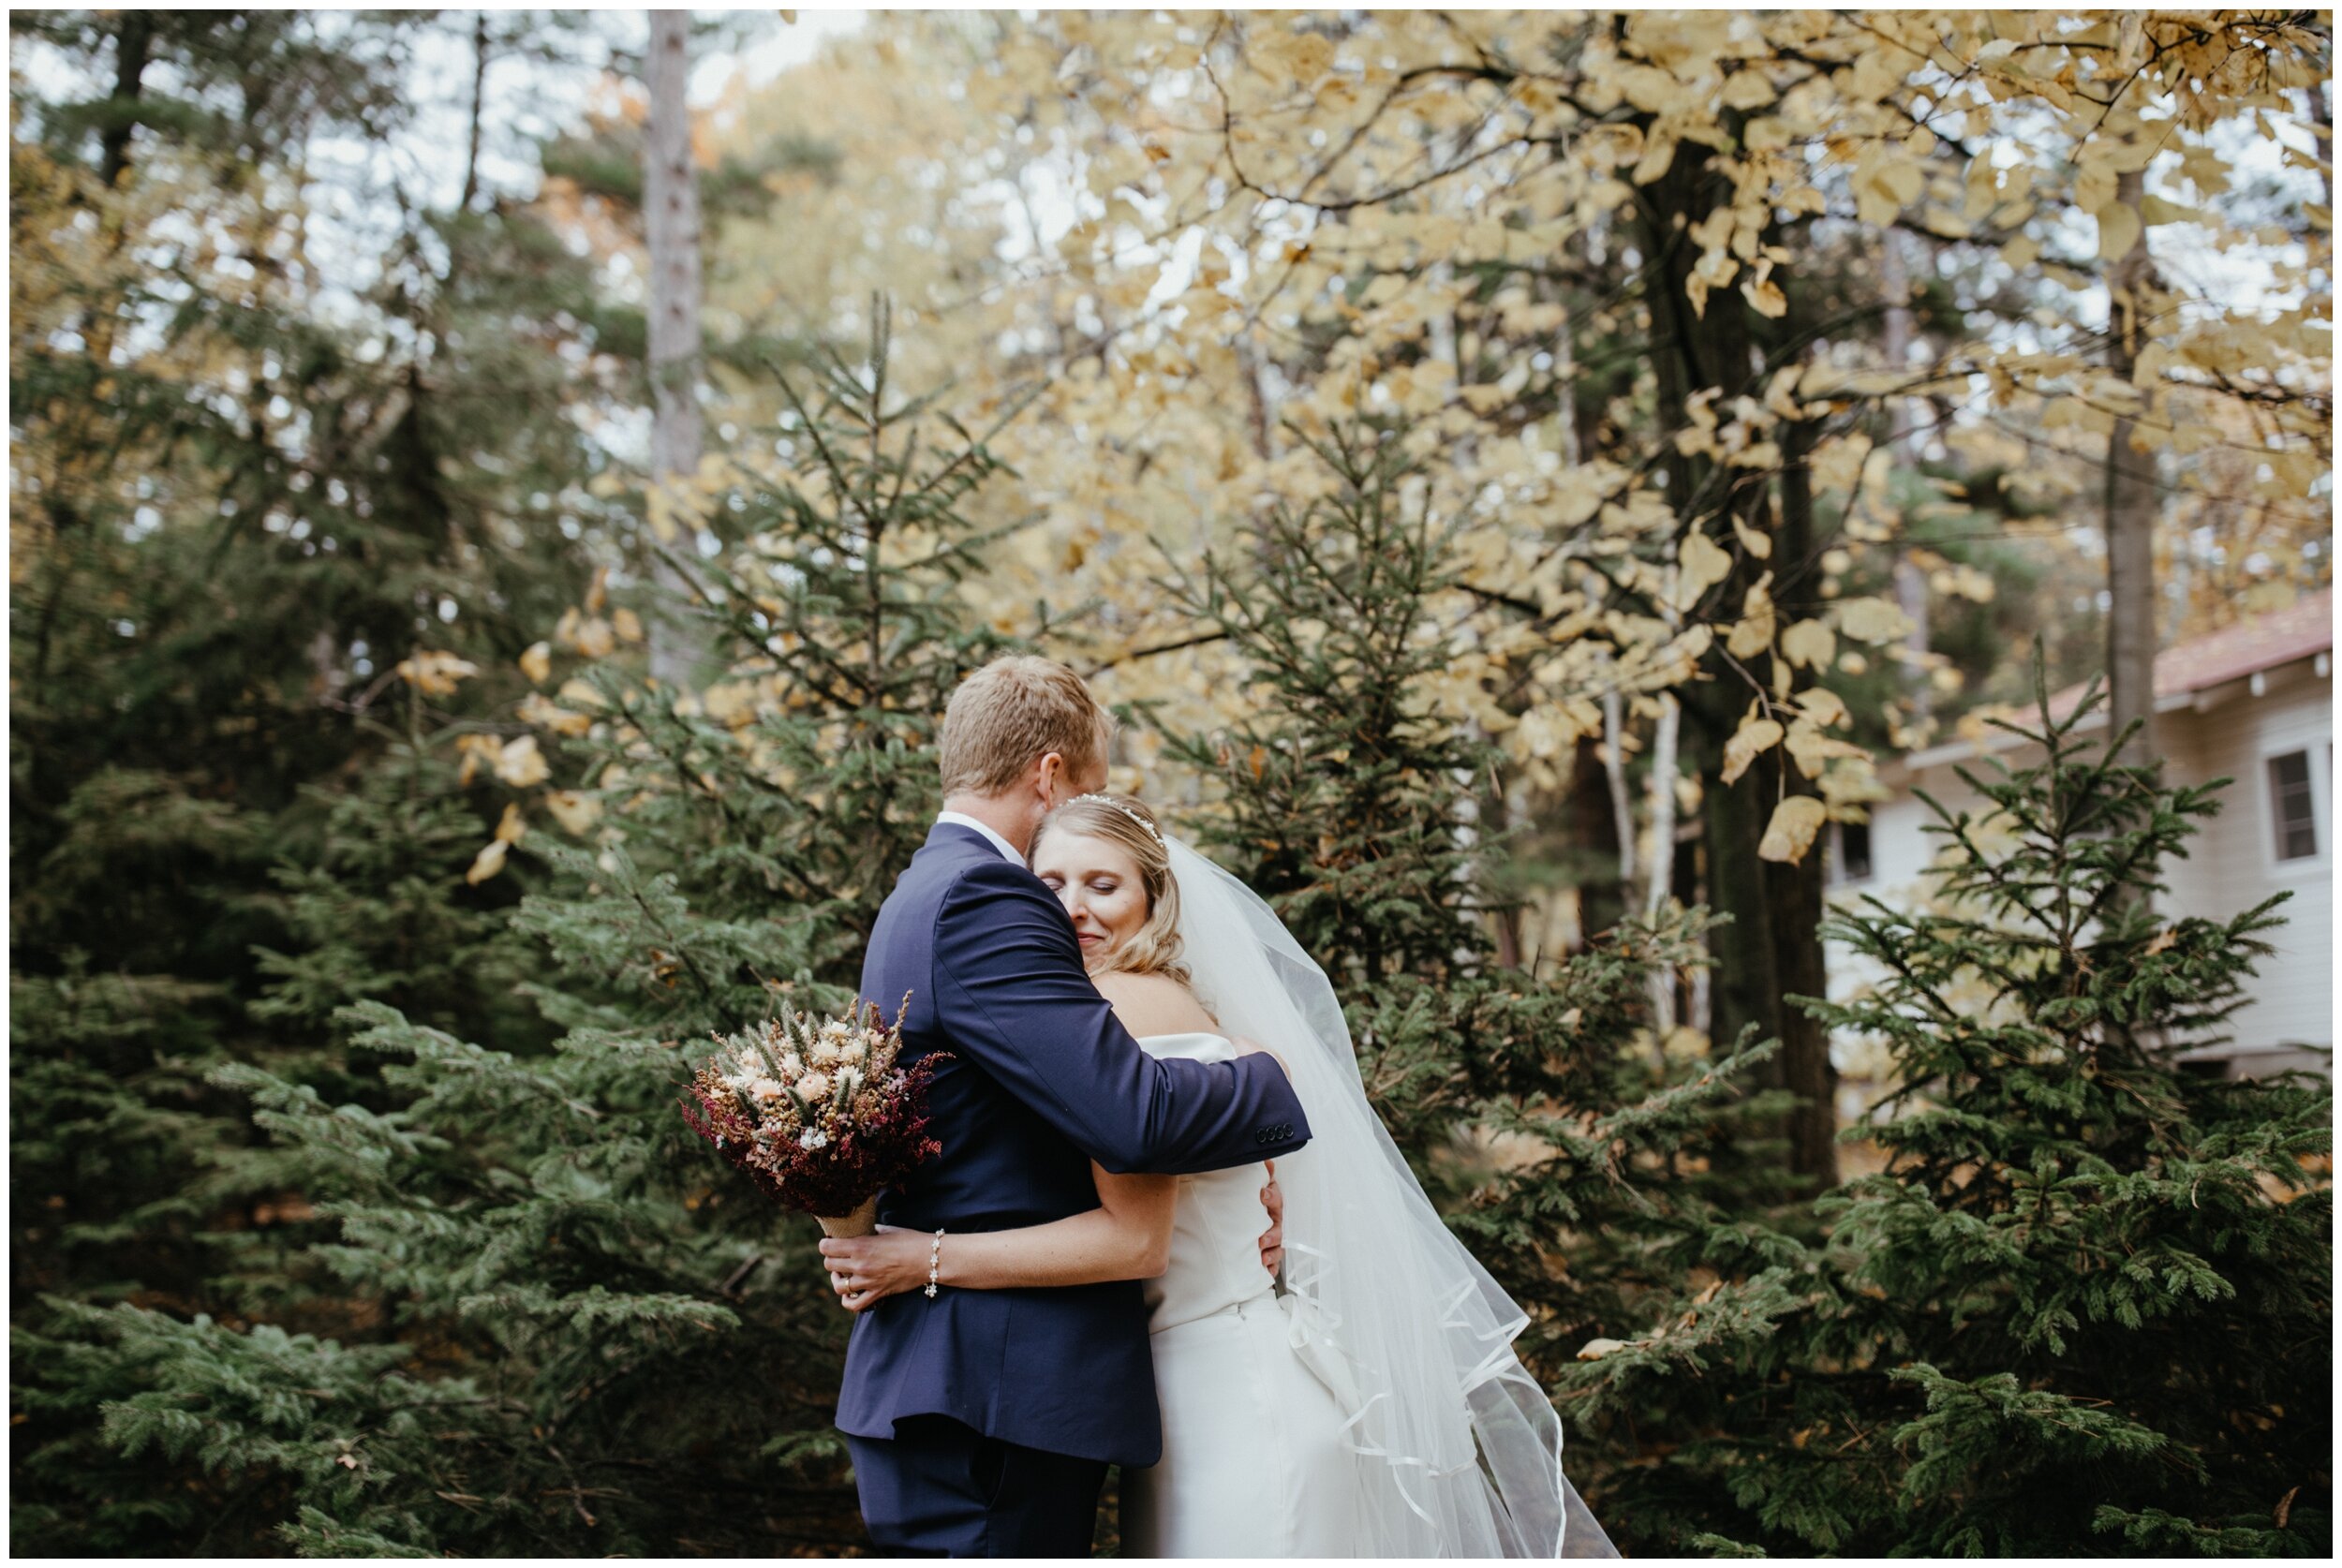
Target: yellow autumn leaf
[
  {"x": 1791, "y": 832},
  {"x": 591, "y": 636},
  {"x": 488, "y": 861},
  {"x": 1704, "y": 564},
  {"x": 1658, "y": 152},
  {"x": 2093, "y": 180},
  {"x": 512, "y": 824},
  {"x": 475, "y": 750},
  {"x": 1810, "y": 643},
  {"x": 2118, "y": 231},
  {"x": 538, "y": 713},
  {"x": 520, "y": 764},
  {"x": 658, "y": 509},
  {"x": 1595, "y": 1350},
  {"x": 1872, "y": 619},
  {"x": 1751, "y": 740},
  {"x": 1812, "y": 750},
  {"x": 434, "y": 674},
  {"x": 577, "y": 813},
  {"x": 580, "y": 694},
  {"x": 1765, "y": 298},
  {"x": 1753, "y": 633},
  {"x": 537, "y": 663},
  {"x": 1294, "y": 59},
  {"x": 1822, "y": 705},
  {"x": 628, "y": 625},
  {"x": 1755, "y": 541}
]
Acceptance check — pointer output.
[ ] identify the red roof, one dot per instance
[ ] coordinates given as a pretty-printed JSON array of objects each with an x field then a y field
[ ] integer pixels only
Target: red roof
[{"x": 2253, "y": 644}]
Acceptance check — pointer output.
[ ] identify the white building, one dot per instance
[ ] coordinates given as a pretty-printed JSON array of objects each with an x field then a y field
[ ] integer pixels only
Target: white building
[{"x": 2252, "y": 703}]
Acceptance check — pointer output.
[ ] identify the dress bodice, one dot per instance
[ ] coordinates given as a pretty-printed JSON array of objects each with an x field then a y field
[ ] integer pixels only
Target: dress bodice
[{"x": 1216, "y": 1224}]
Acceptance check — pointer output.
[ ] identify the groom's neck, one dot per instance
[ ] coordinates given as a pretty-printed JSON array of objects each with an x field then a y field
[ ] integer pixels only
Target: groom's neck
[{"x": 1003, "y": 817}]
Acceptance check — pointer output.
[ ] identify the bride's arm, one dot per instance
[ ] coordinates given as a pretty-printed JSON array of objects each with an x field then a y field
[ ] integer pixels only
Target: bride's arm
[{"x": 1127, "y": 1236}]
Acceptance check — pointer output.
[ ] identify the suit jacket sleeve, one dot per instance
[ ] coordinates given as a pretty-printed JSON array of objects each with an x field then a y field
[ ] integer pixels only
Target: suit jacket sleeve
[{"x": 1008, "y": 974}]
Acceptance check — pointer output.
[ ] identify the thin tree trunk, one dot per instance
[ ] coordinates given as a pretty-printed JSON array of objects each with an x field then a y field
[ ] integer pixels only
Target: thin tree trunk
[
  {"x": 1662, "y": 877},
  {"x": 479, "y": 86},
  {"x": 2131, "y": 504},
  {"x": 1614, "y": 770},
  {"x": 671, "y": 220},
  {"x": 1894, "y": 283}
]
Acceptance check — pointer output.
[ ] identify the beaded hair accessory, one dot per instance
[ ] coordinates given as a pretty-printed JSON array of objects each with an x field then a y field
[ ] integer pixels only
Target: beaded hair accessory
[{"x": 1109, "y": 800}]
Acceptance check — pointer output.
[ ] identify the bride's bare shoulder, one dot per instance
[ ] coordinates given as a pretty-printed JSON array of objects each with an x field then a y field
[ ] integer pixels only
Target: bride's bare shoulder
[{"x": 1154, "y": 1004}]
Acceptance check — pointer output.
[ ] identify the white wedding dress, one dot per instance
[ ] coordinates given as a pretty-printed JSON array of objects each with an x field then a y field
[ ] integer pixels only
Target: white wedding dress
[
  {"x": 1253, "y": 1464},
  {"x": 1372, "y": 1405}
]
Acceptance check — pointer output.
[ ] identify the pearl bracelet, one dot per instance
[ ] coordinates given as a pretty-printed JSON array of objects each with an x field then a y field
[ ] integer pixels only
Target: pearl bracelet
[{"x": 935, "y": 1253}]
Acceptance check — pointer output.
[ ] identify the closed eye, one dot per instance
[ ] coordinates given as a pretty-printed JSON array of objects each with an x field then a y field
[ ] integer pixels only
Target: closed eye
[{"x": 1053, "y": 883}]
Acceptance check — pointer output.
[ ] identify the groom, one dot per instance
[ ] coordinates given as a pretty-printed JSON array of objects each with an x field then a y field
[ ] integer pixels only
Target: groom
[{"x": 982, "y": 1422}]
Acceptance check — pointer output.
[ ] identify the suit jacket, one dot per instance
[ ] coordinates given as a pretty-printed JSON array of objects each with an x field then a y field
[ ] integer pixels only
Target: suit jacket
[{"x": 1041, "y": 1080}]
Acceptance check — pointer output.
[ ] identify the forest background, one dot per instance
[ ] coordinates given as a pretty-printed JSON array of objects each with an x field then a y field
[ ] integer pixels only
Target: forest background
[{"x": 492, "y": 526}]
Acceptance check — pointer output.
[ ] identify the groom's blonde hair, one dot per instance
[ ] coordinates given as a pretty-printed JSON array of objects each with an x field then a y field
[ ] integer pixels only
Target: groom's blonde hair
[{"x": 1013, "y": 712}]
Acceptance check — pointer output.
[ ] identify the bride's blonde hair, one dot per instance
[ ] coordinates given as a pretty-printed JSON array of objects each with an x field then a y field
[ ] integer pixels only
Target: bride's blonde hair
[{"x": 1124, "y": 822}]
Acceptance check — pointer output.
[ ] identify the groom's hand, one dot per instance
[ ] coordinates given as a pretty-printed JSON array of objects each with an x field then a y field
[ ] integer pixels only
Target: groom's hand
[{"x": 1272, "y": 1240}]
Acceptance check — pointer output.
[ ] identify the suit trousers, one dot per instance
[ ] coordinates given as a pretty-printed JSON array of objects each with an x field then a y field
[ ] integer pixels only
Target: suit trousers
[{"x": 940, "y": 1488}]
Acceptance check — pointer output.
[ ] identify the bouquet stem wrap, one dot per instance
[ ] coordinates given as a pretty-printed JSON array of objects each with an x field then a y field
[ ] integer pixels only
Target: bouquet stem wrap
[{"x": 862, "y": 1222}]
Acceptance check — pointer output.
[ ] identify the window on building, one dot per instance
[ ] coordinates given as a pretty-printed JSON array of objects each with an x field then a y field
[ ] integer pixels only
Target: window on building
[
  {"x": 1849, "y": 853},
  {"x": 2290, "y": 806}
]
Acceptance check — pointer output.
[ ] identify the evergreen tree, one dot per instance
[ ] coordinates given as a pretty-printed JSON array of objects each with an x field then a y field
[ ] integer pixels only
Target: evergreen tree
[
  {"x": 2086, "y": 1308},
  {"x": 1522, "y": 1100},
  {"x": 588, "y": 1336},
  {"x": 237, "y": 515}
]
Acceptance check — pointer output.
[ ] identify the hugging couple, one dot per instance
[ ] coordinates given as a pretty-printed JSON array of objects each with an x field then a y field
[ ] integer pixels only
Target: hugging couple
[{"x": 1082, "y": 1278}]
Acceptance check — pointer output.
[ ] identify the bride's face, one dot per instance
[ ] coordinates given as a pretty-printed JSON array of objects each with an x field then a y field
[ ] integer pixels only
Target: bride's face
[{"x": 1098, "y": 884}]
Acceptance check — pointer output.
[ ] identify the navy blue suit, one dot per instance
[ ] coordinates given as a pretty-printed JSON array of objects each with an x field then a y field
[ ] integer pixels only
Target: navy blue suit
[{"x": 1041, "y": 1080}]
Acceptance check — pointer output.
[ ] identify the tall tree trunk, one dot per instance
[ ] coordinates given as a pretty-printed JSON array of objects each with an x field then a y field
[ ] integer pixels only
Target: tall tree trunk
[
  {"x": 131, "y": 46},
  {"x": 671, "y": 220},
  {"x": 1794, "y": 890},
  {"x": 1770, "y": 945},
  {"x": 2131, "y": 501}
]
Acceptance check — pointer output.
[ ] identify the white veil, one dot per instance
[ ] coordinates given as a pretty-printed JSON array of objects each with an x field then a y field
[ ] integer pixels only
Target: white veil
[{"x": 1459, "y": 1452}]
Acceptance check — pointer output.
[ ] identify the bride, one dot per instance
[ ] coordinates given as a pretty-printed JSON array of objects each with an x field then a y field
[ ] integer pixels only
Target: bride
[{"x": 1371, "y": 1407}]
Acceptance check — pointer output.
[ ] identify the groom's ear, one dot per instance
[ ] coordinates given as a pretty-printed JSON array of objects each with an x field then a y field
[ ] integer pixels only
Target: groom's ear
[{"x": 1049, "y": 772}]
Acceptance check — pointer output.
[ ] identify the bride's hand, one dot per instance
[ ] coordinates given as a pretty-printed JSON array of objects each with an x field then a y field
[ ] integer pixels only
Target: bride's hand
[
  {"x": 864, "y": 1270},
  {"x": 1245, "y": 1047}
]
